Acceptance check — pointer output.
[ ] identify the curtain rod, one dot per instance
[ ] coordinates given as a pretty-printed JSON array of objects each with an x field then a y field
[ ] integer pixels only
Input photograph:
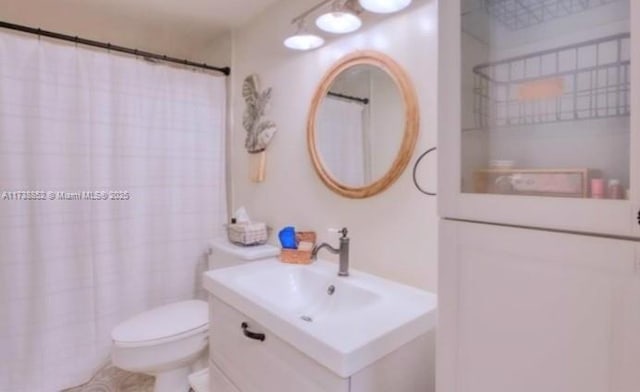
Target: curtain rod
[
  {"x": 364, "y": 101},
  {"x": 83, "y": 41}
]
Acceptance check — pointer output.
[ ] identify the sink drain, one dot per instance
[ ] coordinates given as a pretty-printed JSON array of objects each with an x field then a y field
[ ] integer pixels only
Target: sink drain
[{"x": 307, "y": 319}]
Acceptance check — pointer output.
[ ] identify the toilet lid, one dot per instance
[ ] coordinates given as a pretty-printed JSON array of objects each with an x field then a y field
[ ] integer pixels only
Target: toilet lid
[{"x": 163, "y": 322}]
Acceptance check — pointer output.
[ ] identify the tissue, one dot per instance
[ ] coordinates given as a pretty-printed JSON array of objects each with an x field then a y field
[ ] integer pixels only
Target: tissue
[{"x": 241, "y": 215}]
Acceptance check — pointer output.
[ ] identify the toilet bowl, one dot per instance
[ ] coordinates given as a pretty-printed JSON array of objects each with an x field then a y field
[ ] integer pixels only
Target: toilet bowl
[{"x": 166, "y": 342}]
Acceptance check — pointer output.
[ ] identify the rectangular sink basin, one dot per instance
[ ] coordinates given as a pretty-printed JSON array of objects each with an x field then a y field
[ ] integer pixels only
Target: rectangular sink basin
[
  {"x": 306, "y": 292},
  {"x": 344, "y": 323}
]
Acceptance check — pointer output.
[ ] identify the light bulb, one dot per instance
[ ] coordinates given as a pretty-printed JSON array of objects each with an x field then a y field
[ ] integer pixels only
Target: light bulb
[
  {"x": 303, "y": 41},
  {"x": 384, "y": 6},
  {"x": 339, "y": 22}
]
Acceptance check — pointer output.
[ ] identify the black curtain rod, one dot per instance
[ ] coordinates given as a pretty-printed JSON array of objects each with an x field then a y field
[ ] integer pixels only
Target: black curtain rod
[
  {"x": 364, "y": 101},
  {"x": 115, "y": 48}
]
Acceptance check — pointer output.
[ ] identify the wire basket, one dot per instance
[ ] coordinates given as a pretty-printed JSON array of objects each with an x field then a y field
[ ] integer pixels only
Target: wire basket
[{"x": 587, "y": 80}]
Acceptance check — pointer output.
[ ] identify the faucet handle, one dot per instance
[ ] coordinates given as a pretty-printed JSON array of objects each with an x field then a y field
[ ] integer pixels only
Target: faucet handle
[{"x": 342, "y": 231}]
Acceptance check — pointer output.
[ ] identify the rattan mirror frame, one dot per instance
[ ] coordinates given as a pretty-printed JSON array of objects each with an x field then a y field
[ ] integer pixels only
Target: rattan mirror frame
[{"x": 411, "y": 126}]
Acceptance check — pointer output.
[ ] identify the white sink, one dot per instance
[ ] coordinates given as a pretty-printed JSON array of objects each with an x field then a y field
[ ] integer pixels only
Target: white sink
[
  {"x": 345, "y": 323},
  {"x": 305, "y": 292}
]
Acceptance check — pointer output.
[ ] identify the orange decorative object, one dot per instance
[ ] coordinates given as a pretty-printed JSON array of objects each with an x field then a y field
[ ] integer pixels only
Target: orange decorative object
[{"x": 541, "y": 89}]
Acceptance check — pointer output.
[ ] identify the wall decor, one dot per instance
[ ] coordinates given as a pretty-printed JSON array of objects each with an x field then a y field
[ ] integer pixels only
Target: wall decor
[{"x": 260, "y": 131}]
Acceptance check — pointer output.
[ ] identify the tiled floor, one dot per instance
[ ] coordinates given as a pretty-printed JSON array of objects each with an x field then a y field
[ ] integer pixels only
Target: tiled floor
[{"x": 112, "y": 379}]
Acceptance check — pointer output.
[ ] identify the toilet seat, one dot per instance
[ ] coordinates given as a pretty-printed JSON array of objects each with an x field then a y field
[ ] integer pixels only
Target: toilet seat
[{"x": 163, "y": 324}]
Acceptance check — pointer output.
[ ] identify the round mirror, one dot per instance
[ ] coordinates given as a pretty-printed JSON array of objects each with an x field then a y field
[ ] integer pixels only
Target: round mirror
[{"x": 363, "y": 125}]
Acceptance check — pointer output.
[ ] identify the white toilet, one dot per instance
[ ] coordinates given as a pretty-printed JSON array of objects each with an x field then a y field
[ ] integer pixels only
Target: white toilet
[{"x": 170, "y": 341}]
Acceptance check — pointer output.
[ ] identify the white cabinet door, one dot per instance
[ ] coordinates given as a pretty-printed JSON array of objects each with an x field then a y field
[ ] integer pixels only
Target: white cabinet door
[
  {"x": 532, "y": 311},
  {"x": 539, "y": 113}
]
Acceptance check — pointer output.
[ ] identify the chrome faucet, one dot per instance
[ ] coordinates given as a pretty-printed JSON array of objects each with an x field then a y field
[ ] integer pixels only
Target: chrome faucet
[{"x": 343, "y": 251}]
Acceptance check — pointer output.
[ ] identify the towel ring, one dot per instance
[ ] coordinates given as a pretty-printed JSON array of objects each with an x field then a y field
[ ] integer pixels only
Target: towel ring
[{"x": 415, "y": 172}]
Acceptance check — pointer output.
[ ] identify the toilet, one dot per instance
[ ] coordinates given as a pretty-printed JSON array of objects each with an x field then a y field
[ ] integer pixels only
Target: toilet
[
  {"x": 163, "y": 342},
  {"x": 171, "y": 341}
]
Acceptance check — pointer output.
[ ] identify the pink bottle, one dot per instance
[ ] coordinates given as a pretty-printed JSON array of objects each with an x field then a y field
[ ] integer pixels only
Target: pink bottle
[{"x": 597, "y": 188}]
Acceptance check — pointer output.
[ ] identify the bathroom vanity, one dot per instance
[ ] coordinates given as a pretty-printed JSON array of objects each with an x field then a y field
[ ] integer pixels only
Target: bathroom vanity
[{"x": 281, "y": 327}]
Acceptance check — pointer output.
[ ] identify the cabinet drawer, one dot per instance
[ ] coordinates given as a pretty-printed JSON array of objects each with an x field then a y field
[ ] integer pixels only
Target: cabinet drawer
[
  {"x": 263, "y": 366},
  {"x": 218, "y": 382}
]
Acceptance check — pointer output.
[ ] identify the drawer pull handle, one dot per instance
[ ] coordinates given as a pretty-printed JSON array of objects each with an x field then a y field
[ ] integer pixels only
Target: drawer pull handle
[{"x": 252, "y": 335}]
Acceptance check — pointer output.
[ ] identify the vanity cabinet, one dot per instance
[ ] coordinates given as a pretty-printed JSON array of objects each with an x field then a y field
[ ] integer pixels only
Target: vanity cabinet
[
  {"x": 530, "y": 311},
  {"x": 243, "y": 364},
  {"x": 262, "y": 366},
  {"x": 538, "y": 119}
]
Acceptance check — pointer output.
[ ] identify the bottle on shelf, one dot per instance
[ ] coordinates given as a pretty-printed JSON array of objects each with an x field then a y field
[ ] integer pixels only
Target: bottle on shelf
[
  {"x": 597, "y": 188},
  {"x": 614, "y": 189}
]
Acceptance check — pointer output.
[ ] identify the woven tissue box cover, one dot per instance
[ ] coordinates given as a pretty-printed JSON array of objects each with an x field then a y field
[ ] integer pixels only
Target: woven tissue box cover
[{"x": 248, "y": 233}]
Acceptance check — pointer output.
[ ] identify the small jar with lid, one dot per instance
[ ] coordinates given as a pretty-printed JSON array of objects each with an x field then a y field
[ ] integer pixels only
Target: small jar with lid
[{"x": 614, "y": 190}]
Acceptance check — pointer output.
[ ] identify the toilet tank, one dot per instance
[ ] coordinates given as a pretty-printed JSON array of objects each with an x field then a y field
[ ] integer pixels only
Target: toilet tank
[{"x": 225, "y": 254}]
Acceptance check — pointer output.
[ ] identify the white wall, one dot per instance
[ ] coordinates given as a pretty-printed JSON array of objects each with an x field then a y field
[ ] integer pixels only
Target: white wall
[
  {"x": 393, "y": 234},
  {"x": 116, "y": 26}
]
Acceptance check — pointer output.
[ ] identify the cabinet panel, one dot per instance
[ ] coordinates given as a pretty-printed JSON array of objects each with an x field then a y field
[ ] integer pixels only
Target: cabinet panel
[
  {"x": 537, "y": 113},
  {"x": 263, "y": 366},
  {"x": 529, "y": 311},
  {"x": 408, "y": 369},
  {"x": 218, "y": 382}
]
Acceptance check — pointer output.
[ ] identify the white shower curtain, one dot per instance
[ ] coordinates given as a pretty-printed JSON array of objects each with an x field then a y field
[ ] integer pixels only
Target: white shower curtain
[
  {"x": 341, "y": 140},
  {"x": 73, "y": 120}
]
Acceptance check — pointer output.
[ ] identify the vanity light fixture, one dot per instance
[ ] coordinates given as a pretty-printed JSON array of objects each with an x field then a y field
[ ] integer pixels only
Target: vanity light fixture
[
  {"x": 303, "y": 39},
  {"x": 342, "y": 18},
  {"x": 384, "y": 6}
]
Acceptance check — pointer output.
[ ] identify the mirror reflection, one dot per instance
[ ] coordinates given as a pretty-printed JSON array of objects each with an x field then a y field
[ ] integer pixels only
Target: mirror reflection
[{"x": 360, "y": 125}]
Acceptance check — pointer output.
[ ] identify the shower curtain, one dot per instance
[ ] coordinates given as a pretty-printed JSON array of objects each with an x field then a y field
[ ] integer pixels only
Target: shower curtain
[
  {"x": 341, "y": 140},
  {"x": 111, "y": 184}
]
